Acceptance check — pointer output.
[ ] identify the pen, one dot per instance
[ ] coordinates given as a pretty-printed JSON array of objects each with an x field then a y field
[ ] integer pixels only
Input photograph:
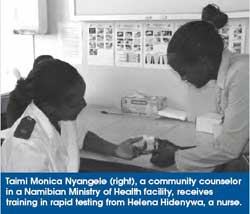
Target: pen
[{"x": 114, "y": 113}]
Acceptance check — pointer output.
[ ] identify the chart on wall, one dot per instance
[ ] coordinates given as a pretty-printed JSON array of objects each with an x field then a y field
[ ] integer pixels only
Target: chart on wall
[
  {"x": 144, "y": 44},
  {"x": 234, "y": 35},
  {"x": 70, "y": 42},
  {"x": 128, "y": 50},
  {"x": 101, "y": 44},
  {"x": 156, "y": 40}
]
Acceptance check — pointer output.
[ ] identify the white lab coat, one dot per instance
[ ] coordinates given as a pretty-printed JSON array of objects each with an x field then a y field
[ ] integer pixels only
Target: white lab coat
[
  {"x": 46, "y": 150},
  {"x": 232, "y": 93}
]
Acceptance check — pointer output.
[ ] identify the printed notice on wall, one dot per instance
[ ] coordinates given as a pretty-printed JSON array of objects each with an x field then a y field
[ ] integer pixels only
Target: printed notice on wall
[
  {"x": 100, "y": 44},
  {"x": 129, "y": 44},
  {"x": 234, "y": 36},
  {"x": 156, "y": 39},
  {"x": 70, "y": 42}
]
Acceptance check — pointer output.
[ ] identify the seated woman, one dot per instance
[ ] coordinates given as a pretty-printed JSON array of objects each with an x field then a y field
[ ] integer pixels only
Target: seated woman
[{"x": 45, "y": 138}]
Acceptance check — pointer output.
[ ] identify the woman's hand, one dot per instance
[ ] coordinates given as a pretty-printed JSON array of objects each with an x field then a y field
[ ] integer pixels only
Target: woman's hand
[
  {"x": 164, "y": 153},
  {"x": 127, "y": 149}
]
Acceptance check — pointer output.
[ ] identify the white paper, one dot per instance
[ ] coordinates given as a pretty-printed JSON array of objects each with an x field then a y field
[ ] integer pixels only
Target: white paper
[
  {"x": 156, "y": 39},
  {"x": 237, "y": 43},
  {"x": 206, "y": 122},
  {"x": 128, "y": 50},
  {"x": 100, "y": 44},
  {"x": 70, "y": 42},
  {"x": 234, "y": 37},
  {"x": 173, "y": 113}
]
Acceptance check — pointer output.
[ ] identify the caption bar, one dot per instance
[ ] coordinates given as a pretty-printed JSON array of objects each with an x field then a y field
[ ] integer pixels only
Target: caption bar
[{"x": 125, "y": 190}]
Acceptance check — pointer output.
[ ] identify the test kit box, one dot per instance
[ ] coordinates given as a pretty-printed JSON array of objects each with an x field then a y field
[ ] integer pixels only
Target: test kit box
[
  {"x": 145, "y": 105},
  {"x": 209, "y": 123}
]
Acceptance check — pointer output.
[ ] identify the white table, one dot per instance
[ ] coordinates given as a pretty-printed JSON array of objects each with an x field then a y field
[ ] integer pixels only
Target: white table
[{"x": 116, "y": 128}]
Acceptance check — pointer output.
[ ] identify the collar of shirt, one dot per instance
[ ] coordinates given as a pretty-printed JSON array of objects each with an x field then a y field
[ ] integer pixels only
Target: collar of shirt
[
  {"x": 222, "y": 73},
  {"x": 41, "y": 118}
]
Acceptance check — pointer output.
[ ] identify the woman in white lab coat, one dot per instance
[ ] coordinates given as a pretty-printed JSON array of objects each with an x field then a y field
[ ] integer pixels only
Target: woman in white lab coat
[
  {"x": 46, "y": 138},
  {"x": 196, "y": 51}
]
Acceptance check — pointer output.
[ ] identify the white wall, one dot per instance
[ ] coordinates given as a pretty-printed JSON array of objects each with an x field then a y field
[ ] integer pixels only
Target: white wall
[
  {"x": 16, "y": 50},
  {"x": 106, "y": 84}
]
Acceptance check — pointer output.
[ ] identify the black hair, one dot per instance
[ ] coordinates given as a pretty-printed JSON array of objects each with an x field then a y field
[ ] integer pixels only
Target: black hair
[
  {"x": 50, "y": 80},
  {"x": 211, "y": 13},
  {"x": 18, "y": 99},
  {"x": 195, "y": 50},
  {"x": 41, "y": 58},
  {"x": 46, "y": 84}
]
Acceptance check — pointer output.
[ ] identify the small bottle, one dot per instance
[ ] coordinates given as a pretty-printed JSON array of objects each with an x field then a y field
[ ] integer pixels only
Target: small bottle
[{"x": 150, "y": 141}]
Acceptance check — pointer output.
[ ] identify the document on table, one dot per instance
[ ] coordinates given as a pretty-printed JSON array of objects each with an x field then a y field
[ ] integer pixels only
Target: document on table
[{"x": 173, "y": 113}]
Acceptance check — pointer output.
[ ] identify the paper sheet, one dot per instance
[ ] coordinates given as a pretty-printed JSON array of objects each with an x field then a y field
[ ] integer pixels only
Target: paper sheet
[
  {"x": 128, "y": 44},
  {"x": 156, "y": 39},
  {"x": 173, "y": 113},
  {"x": 234, "y": 37},
  {"x": 100, "y": 44},
  {"x": 70, "y": 42}
]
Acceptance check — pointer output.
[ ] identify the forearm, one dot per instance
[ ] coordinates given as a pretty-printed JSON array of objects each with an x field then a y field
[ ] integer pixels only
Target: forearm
[
  {"x": 226, "y": 147},
  {"x": 94, "y": 143},
  {"x": 205, "y": 157}
]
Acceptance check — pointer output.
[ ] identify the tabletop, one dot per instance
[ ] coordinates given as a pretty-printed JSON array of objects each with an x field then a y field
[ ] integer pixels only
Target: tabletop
[{"x": 114, "y": 126}]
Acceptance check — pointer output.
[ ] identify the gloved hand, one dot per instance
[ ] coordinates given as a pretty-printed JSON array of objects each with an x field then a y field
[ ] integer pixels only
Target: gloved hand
[{"x": 164, "y": 153}]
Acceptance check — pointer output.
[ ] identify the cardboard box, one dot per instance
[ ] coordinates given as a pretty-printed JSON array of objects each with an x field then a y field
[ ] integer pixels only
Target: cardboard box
[
  {"x": 145, "y": 105},
  {"x": 208, "y": 122}
]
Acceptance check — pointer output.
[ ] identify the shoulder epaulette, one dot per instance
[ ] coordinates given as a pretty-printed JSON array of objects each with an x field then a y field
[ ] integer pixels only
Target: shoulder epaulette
[{"x": 25, "y": 128}]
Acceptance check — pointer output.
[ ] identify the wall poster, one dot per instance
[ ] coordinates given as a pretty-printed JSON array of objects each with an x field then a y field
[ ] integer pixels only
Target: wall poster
[
  {"x": 156, "y": 39},
  {"x": 234, "y": 37},
  {"x": 100, "y": 44},
  {"x": 70, "y": 42},
  {"x": 128, "y": 44}
]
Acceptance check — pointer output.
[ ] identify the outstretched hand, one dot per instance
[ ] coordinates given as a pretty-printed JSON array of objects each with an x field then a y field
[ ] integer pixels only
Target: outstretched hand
[{"x": 127, "y": 149}]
